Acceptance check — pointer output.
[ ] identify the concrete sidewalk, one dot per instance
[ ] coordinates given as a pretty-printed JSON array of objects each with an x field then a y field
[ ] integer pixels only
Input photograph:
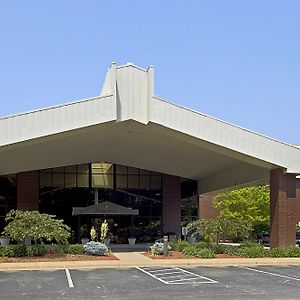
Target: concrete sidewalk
[{"x": 136, "y": 259}]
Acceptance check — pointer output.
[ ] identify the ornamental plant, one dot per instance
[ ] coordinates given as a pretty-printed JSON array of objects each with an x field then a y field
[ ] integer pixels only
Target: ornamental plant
[
  {"x": 104, "y": 230},
  {"x": 95, "y": 248},
  {"x": 93, "y": 233},
  {"x": 39, "y": 227}
]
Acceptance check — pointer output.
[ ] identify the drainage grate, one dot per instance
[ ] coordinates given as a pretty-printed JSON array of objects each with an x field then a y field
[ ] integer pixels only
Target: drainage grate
[{"x": 173, "y": 275}]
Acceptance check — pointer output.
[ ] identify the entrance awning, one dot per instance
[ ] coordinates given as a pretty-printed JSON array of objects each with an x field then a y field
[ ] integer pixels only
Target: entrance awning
[{"x": 104, "y": 208}]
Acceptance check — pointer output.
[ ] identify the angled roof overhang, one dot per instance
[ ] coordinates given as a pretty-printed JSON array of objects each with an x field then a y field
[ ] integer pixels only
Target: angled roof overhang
[
  {"x": 105, "y": 208},
  {"x": 128, "y": 124}
]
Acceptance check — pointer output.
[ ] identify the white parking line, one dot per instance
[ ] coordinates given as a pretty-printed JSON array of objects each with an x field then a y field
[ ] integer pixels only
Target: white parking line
[
  {"x": 182, "y": 276},
  {"x": 269, "y": 273},
  {"x": 69, "y": 278}
]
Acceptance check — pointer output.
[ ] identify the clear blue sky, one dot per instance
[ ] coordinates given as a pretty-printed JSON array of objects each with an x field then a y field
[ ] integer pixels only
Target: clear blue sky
[{"x": 236, "y": 60}]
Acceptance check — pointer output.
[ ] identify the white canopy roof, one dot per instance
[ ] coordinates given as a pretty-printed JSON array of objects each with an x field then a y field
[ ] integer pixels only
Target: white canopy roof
[{"x": 128, "y": 124}]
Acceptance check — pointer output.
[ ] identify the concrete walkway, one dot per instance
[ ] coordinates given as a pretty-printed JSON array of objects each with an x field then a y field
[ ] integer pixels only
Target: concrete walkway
[{"x": 136, "y": 259}]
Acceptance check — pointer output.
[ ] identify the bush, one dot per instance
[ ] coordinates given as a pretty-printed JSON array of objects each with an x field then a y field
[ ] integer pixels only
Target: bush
[
  {"x": 249, "y": 244},
  {"x": 179, "y": 245},
  {"x": 13, "y": 250},
  {"x": 202, "y": 245},
  {"x": 198, "y": 252},
  {"x": 60, "y": 249},
  {"x": 219, "y": 249},
  {"x": 284, "y": 252},
  {"x": 40, "y": 227},
  {"x": 95, "y": 248},
  {"x": 76, "y": 249},
  {"x": 158, "y": 249},
  {"x": 35, "y": 250},
  {"x": 252, "y": 252}
]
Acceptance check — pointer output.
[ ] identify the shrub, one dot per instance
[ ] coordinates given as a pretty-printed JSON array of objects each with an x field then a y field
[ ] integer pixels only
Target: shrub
[
  {"x": 13, "y": 250},
  {"x": 60, "y": 249},
  {"x": 202, "y": 245},
  {"x": 76, "y": 249},
  {"x": 158, "y": 249},
  {"x": 284, "y": 252},
  {"x": 198, "y": 252},
  {"x": 252, "y": 252},
  {"x": 249, "y": 244},
  {"x": 39, "y": 227},
  {"x": 179, "y": 245},
  {"x": 95, "y": 248},
  {"x": 35, "y": 250},
  {"x": 219, "y": 249}
]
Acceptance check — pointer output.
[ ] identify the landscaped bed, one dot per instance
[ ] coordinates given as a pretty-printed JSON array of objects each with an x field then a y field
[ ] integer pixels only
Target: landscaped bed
[
  {"x": 182, "y": 249},
  {"x": 57, "y": 257}
]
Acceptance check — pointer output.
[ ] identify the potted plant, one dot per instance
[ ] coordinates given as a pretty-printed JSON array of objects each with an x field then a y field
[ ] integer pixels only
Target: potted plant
[
  {"x": 4, "y": 240},
  {"x": 131, "y": 240}
]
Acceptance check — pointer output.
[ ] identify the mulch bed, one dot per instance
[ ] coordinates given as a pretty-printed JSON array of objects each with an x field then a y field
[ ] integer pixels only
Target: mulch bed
[
  {"x": 179, "y": 255},
  {"x": 57, "y": 257}
]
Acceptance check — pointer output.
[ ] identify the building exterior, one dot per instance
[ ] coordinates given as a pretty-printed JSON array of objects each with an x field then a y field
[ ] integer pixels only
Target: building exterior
[{"x": 132, "y": 148}]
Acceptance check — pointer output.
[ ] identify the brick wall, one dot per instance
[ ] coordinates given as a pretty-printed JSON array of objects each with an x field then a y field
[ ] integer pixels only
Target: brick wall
[
  {"x": 282, "y": 208},
  {"x": 171, "y": 204},
  {"x": 206, "y": 209},
  {"x": 27, "y": 191}
]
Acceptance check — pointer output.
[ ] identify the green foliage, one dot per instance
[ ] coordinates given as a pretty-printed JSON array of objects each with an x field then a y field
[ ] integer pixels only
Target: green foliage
[
  {"x": 95, "y": 248},
  {"x": 198, "y": 252},
  {"x": 39, "y": 227},
  {"x": 158, "y": 248},
  {"x": 211, "y": 229},
  {"x": 76, "y": 249},
  {"x": 13, "y": 250},
  {"x": 35, "y": 250},
  {"x": 248, "y": 249},
  {"x": 250, "y": 204},
  {"x": 219, "y": 249},
  {"x": 104, "y": 230},
  {"x": 179, "y": 245},
  {"x": 93, "y": 233},
  {"x": 284, "y": 252},
  {"x": 60, "y": 249},
  {"x": 202, "y": 245}
]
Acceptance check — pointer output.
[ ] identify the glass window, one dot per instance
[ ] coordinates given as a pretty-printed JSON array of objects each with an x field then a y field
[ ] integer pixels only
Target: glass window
[
  {"x": 133, "y": 181},
  {"x": 82, "y": 180},
  {"x": 58, "y": 180},
  {"x": 70, "y": 169},
  {"x": 70, "y": 179},
  {"x": 102, "y": 168},
  {"x": 145, "y": 182},
  {"x": 144, "y": 172},
  {"x": 58, "y": 170},
  {"x": 45, "y": 180},
  {"x": 84, "y": 169},
  {"x": 121, "y": 182},
  {"x": 47, "y": 171},
  {"x": 102, "y": 180},
  {"x": 121, "y": 169},
  {"x": 133, "y": 171},
  {"x": 155, "y": 182}
]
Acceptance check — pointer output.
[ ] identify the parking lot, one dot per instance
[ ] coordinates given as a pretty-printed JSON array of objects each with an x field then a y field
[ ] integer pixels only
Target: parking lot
[{"x": 235, "y": 282}]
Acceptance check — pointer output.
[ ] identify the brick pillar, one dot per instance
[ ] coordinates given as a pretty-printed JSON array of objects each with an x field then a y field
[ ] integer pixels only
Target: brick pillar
[
  {"x": 282, "y": 208},
  {"x": 28, "y": 191},
  {"x": 298, "y": 200},
  {"x": 171, "y": 192},
  {"x": 206, "y": 209}
]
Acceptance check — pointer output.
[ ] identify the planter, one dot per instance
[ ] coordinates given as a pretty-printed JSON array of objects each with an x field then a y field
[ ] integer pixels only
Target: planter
[
  {"x": 4, "y": 240},
  {"x": 131, "y": 241},
  {"x": 107, "y": 241},
  {"x": 84, "y": 241}
]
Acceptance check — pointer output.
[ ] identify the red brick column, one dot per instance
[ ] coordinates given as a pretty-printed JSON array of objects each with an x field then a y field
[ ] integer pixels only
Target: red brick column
[
  {"x": 28, "y": 191},
  {"x": 282, "y": 208},
  {"x": 171, "y": 192},
  {"x": 298, "y": 200},
  {"x": 206, "y": 209}
]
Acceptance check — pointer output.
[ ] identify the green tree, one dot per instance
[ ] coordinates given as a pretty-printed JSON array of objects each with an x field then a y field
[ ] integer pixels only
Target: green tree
[
  {"x": 249, "y": 205},
  {"x": 38, "y": 227}
]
